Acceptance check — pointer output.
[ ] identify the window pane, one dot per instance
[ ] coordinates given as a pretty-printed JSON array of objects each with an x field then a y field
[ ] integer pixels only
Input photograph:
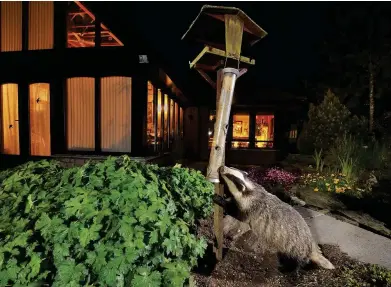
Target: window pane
[
  {"x": 172, "y": 117},
  {"x": 10, "y": 119},
  {"x": 240, "y": 144},
  {"x": 81, "y": 114},
  {"x": 11, "y": 26},
  {"x": 181, "y": 121},
  {"x": 240, "y": 130},
  {"x": 40, "y": 119},
  {"x": 211, "y": 123},
  {"x": 293, "y": 132},
  {"x": 176, "y": 120},
  {"x": 41, "y": 25},
  {"x": 108, "y": 39},
  {"x": 165, "y": 134},
  {"x": 116, "y": 103},
  {"x": 264, "y": 131},
  {"x": 80, "y": 26},
  {"x": 159, "y": 117},
  {"x": 150, "y": 116}
]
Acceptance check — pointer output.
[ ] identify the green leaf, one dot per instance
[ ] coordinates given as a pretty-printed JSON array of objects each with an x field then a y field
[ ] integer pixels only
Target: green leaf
[
  {"x": 89, "y": 234},
  {"x": 145, "y": 278},
  {"x": 35, "y": 265},
  {"x": 153, "y": 238}
]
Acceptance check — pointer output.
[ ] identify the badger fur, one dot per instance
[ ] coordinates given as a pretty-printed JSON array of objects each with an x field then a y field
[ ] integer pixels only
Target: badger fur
[{"x": 276, "y": 223}]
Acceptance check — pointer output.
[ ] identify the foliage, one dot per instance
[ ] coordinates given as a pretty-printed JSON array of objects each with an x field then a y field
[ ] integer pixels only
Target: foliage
[
  {"x": 273, "y": 176},
  {"x": 357, "y": 48},
  {"x": 328, "y": 182},
  {"x": 319, "y": 162},
  {"x": 349, "y": 153},
  {"x": 113, "y": 223},
  {"x": 326, "y": 122},
  {"x": 367, "y": 275}
]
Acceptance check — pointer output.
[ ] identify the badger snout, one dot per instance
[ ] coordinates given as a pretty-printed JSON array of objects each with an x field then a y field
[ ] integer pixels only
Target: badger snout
[{"x": 221, "y": 169}]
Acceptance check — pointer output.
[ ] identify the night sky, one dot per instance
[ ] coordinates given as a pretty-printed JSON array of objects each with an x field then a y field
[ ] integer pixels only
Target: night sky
[{"x": 286, "y": 56}]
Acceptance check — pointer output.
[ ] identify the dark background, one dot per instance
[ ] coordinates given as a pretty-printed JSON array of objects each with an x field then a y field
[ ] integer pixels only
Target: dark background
[
  {"x": 284, "y": 58},
  {"x": 292, "y": 59}
]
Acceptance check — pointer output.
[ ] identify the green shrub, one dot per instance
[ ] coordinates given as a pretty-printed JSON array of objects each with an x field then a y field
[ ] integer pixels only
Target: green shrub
[
  {"x": 114, "y": 223},
  {"x": 344, "y": 156},
  {"x": 326, "y": 122},
  {"x": 367, "y": 275}
]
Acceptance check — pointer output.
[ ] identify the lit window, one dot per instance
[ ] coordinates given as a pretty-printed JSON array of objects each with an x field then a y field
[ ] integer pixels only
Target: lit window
[
  {"x": 264, "y": 131},
  {"x": 240, "y": 130},
  {"x": 159, "y": 117},
  {"x": 211, "y": 125},
  {"x": 150, "y": 116},
  {"x": 9, "y": 119},
  {"x": 165, "y": 132},
  {"x": 41, "y": 25},
  {"x": 39, "y": 106},
  {"x": 116, "y": 121},
  {"x": 11, "y": 26},
  {"x": 81, "y": 28},
  {"x": 181, "y": 121},
  {"x": 81, "y": 114},
  {"x": 293, "y": 133},
  {"x": 172, "y": 117},
  {"x": 176, "y": 120}
]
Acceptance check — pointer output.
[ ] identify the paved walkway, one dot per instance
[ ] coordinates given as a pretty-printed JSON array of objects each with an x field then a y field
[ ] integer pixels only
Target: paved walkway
[{"x": 358, "y": 243}]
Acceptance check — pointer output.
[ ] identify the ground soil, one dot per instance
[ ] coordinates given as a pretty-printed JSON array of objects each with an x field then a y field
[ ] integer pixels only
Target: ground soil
[{"x": 242, "y": 266}]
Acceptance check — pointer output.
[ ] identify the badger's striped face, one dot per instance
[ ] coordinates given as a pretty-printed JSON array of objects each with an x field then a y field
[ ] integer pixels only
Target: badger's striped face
[
  {"x": 238, "y": 185},
  {"x": 235, "y": 179}
]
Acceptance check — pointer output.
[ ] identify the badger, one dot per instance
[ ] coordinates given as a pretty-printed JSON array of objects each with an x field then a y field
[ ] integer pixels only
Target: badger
[{"x": 276, "y": 224}]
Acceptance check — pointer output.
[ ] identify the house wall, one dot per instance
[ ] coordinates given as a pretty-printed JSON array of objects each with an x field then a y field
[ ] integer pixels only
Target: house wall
[
  {"x": 48, "y": 61},
  {"x": 197, "y": 119}
]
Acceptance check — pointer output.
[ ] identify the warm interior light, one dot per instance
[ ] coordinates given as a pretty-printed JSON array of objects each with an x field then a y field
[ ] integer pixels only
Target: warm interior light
[{"x": 81, "y": 28}]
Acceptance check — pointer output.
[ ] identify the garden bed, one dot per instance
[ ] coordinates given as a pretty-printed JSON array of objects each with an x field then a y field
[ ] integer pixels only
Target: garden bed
[
  {"x": 369, "y": 213},
  {"x": 242, "y": 266}
]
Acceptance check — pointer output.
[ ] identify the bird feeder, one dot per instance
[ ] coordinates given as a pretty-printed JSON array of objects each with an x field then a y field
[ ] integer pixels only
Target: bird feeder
[{"x": 224, "y": 32}]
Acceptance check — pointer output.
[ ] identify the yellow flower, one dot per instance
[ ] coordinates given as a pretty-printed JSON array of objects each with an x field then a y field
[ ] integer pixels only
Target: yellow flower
[
  {"x": 327, "y": 184},
  {"x": 338, "y": 190},
  {"x": 336, "y": 181},
  {"x": 329, "y": 189},
  {"x": 332, "y": 174},
  {"x": 316, "y": 189}
]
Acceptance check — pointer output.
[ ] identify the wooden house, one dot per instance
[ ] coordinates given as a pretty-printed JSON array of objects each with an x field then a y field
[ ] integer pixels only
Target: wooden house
[{"x": 71, "y": 87}]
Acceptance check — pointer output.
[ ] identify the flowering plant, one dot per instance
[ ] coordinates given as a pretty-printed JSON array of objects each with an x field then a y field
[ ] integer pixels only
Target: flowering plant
[
  {"x": 332, "y": 182},
  {"x": 273, "y": 176}
]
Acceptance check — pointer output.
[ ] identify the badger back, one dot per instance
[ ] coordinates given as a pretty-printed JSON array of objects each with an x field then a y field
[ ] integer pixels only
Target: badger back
[{"x": 279, "y": 225}]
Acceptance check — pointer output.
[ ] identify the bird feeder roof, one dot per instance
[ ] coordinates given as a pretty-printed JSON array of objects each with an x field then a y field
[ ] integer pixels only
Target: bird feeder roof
[{"x": 209, "y": 27}]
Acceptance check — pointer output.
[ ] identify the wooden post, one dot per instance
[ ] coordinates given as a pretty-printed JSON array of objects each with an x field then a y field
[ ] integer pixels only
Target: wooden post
[
  {"x": 236, "y": 22},
  {"x": 219, "y": 190}
]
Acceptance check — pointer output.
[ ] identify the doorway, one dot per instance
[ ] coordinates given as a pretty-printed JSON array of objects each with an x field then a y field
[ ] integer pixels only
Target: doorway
[
  {"x": 39, "y": 106},
  {"x": 9, "y": 110}
]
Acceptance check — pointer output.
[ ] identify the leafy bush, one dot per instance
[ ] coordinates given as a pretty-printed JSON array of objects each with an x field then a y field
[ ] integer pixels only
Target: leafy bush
[
  {"x": 351, "y": 156},
  {"x": 367, "y": 275},
  {"x": 327, "y": 182},
  {"x": 319, "y": 162},
  {"x": 114, "y": 223},
  {"x": 273, "y": 176},
  {"x": 326, "y": 122}
]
